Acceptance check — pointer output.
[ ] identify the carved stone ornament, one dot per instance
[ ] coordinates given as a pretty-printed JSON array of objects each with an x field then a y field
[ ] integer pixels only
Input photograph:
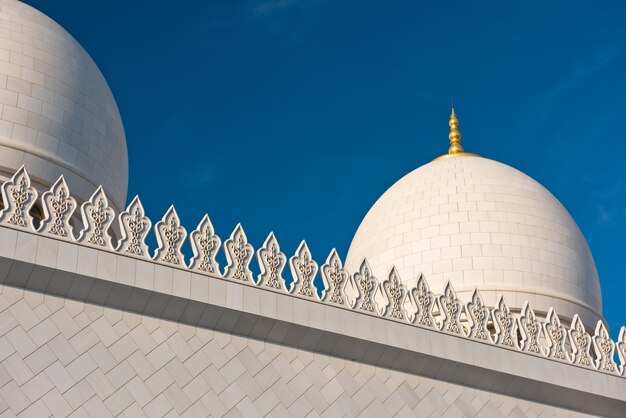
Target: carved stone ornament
[
  {"x": 605, "y": 349},
  {"x": 335, "y": 279},
  {"x": 556, "y": 336},
  {"x": 58, "y": 207},
  {"x": 18, "y": 196},
  {"x": 530, "y": 328},
  {"x": 134, "y": 227},
  {"x": 205, "y": 245},
  {"x": 272, "y": 263},
  {"x": 395, "y": 292},
  {"x": 366, "y": 284},
  {"x": 238, "y": 256},
  {"x": 478, "y": 314},
  {"x": 97, "y": 218},
  {"x": 505, "y": 325},
  {"x": 170, "y": 237},
  {"x": 303, "y": 270},
  {"x": 580, "y": 340},
  {"x": 423, "y": 301},
  {"x": 621, "y": 350},
  {"x": 450, "y": 308}
]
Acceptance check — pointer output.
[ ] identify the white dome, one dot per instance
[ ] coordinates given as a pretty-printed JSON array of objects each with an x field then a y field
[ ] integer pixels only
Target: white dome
[
  {"x": 481, "y": 224},
  {"x": 58, "y": 115}
]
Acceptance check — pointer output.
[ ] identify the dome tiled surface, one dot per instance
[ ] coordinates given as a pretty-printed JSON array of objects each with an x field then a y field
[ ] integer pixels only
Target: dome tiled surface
[
  {"x": 57, "y": 114},
  {"x": 480, "y": 223}
]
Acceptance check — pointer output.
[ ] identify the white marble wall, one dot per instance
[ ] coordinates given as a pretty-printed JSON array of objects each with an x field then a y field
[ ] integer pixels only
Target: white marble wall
[{"x": 60, "y": 357}]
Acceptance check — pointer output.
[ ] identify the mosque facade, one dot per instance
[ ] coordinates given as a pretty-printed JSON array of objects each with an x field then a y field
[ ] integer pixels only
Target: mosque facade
[{"x": 468, "y": 289}]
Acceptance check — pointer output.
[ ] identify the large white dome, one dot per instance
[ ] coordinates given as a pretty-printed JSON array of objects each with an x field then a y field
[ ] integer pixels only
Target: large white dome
[
  {"x": 58, "y": 115},
  {"x": 479, "y": 223}
]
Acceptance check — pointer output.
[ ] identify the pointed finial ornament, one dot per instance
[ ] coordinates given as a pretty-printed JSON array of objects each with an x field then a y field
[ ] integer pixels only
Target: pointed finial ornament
[
  {"x": 455, "y": 149},
  {"x": 454, "y": 135}
]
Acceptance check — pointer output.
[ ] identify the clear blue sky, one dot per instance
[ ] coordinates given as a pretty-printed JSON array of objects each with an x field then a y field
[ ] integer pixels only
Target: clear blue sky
[{"x": 295, "y": 115}]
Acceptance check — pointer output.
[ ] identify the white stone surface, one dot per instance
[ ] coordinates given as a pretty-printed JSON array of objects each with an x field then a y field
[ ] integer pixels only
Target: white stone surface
[
  {"x": 61, "y": 357},
  {"x": 478, "y": 223},
  {"x": 57, "y": 114}
]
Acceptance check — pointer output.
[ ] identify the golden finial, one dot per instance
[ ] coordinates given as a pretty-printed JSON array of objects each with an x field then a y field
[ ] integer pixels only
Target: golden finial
[
  {"x": 454, "y": 135},
  {"x": 455, "y": 149}
]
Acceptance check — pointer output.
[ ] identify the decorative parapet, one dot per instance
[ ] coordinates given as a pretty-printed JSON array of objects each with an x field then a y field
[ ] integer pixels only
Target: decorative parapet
[
  {"x": 479, "y": 316},
  {"x": 238, "y": 255},
  {"x": 303, "y": 270},
  {"x": 424, "y": 304},
  {"x": 580, "y": 341},
  {"x": 272, "y": 263},
  {"x": 134, "y": 227},
  {"x": 450, "y": 309},
  {"x": 170, "y": 237},
  {"x": 360, "y": 292},
  {"x": 97, "y": 219},
  {"x": 58, "y": 208},
  {"x": 335, "y": 279},
  {"x": 19, "y": 197},
  {"x": 505, "y": 325},
  {"x": 205, "y": 245}
]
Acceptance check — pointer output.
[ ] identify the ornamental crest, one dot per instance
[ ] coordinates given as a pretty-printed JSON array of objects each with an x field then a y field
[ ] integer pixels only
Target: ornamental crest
[
  {"x": 238, "y": 256},
  {"x": 555, "y": 335},
  {"x": 204, "y": 244},
  {"x": 505, "y": 325},
  {"x": 605, "y": 349},
  {"x": 97, "y": 218},
  {"x": 479, "y": 316},
  {"x": 335, "y": 278},
  {"x": 450, "y": 308},
  {"x": 395, "y": 293},
  {"x": 303, "y": 270},
  {"x": 134, "y": 226},
  {"x": 366, "y": 284},
  {"x": 424, "y": 303},
  {"x": 272, "y": 263},
  {"x": 530, "y": 329},
  {"x": 170, "y": 237},
  {"x": 58, "y": 207},
  {"x": 580, "y": 341},
  {"x": 18, "y": 196},
  {"x": 621, "y": 349}
]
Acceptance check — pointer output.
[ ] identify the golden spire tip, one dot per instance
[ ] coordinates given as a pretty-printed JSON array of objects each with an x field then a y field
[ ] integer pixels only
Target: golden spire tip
[{"x": 454, "y": 136}]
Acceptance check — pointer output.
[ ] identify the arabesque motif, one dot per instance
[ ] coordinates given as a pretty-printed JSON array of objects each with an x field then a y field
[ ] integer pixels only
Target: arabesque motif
[
  {"x": 204, "y": 244},
  {"x": 621, "y": 350},
  {"x": 134, "y": 226},
  {"x": 238, "y": 256},
  {"x": 424, "y": 302},
  {"x": 505, "y": 325},
  {"x": 396, "y": 293},
  {"x": 170, "y": 237},
  {"x": 450, "y": 308},
  {"x": 303, "y": 270},
  {"x": 530, "y": 329},
  {"x": 580, "y": 341},
  {"x": 366, "y": 284},
  {"x": 272, "y": 262},
  {"x": 19, "y": 197},
  {"x": 555, "y": 336},
  {"x": 97, "y": 218},
  {"x": 335, "y": 277},
  {"x": 479, "y": 316},
  {"x": 604, "y": 349},
  {"x": 58, "y": 208}
]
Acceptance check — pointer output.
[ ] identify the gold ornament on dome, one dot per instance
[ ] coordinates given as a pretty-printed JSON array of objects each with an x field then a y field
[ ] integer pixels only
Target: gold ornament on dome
[{"x": 455, "y": 149}]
